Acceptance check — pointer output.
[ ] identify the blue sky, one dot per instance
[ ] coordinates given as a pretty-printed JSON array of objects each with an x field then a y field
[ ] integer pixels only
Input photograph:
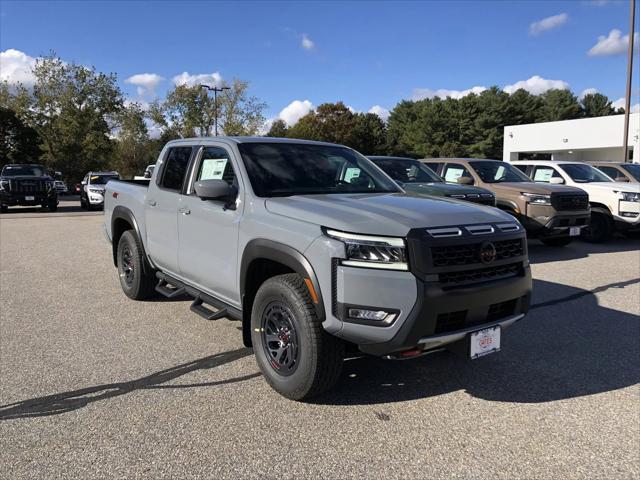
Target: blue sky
[{"x": 364, "y": 53}]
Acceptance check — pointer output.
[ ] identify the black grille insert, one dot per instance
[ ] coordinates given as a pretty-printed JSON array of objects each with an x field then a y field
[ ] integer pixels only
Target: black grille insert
[
  {"x": 450, "y": 321},
  {"x": 469, "y": 254},
  {"x": 28, "y": 186},
  {"x": 481, "y": 274},
  {"x": 570, "y": 202}
]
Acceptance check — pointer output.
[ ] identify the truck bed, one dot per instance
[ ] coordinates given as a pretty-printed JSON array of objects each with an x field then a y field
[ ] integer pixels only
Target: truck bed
[{"x": 129, "y": 195}]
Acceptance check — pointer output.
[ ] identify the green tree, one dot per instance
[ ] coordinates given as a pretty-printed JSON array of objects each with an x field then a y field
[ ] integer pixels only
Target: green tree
[
  {"x": 190, "y": 111},
  {"x": 278, "y": 129},
  {"x": 134, "y": 150},
  {"x": 19, "y": 143},
  {"x": 596, "y": 105},
  {"x": 369, "y": 134},
  {"x": 558, "y": 105}
]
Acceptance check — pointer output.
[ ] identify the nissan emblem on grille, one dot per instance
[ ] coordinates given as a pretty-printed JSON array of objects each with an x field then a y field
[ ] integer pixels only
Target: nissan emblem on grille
[{"x": 487, "y": 252}]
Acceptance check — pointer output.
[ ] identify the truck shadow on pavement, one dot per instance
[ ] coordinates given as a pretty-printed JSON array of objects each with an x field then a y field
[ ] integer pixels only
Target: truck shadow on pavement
[
  {"x": 68, "y": 401},
  {"x": 540, "y": 253},
  {"x": 568, "y": 346}
]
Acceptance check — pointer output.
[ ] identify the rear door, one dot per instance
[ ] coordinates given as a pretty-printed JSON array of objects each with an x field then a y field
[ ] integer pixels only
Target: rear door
[
  {"x": 161, "y": 209},
  {"x": 209, "y": 229}
]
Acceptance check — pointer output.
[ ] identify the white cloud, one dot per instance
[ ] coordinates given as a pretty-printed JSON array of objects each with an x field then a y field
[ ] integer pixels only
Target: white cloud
[
  {"x": 146, "y": 83},
  {"x": 307, "y": 43},
  {"x": 295, "y": 111},
  {"x": 382, "y": 112},
  {"x": 587, "y": 91},
  {"x": 211, "y": 79},
  {"x": 549, "y": 23},
  {"x": 613, "y": 44},
  {"x": 422, "y": 93},
  {"x": 16, "y": 67},
  {"x": 620, "y": 103},
  {"x": 537, "y": 85}
]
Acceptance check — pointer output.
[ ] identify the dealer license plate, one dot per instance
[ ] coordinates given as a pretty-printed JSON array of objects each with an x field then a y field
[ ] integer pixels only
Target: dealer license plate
[
  {"x": 574, "y": 231},
  {"x": 29, "y": 199},
  {"x": 484, "y": 342}
]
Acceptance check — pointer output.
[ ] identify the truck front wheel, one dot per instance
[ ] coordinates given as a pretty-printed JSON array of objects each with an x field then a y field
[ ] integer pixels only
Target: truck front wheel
[
  {"x": 600, "y": 228},
  {"x": 137, "y": 282},
  {"x": 297, "y": 357}
]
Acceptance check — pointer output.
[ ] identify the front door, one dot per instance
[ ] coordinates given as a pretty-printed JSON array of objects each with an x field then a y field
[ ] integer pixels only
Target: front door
[
  {"x": 161, "y": 209},
  {"x": 208, "y": 253}
]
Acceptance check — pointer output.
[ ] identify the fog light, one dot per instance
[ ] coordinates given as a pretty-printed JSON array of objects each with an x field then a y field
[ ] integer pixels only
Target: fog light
[
  {"x": 373, "y": 315},
  {"x": 629, "y": 214}
]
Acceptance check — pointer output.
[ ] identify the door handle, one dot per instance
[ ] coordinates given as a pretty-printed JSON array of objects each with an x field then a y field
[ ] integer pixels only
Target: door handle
[
  {"x": 184, "y": 210},
  {"x": 151, "y": 203}
]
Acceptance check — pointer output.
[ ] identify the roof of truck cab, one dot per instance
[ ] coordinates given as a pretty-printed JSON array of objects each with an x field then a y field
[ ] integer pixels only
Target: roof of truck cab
[
  {"x": 239, "y": 140},
  {"x": 459, "y": 159},
  {"x": 546, "y": 162}
]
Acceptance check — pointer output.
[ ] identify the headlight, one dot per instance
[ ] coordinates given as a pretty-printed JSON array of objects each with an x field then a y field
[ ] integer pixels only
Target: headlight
[
  {"x": 371, "y": 251},
  {"x": 629, "y": 196},
  {"x": 536, "y": 198},
  {"x": 4, "y": 184}
]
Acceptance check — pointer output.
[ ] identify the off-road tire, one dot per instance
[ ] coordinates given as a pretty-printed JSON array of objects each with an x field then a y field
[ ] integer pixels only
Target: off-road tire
[
  {"x": 557, "y": 241},
  {"x": 52, "y": 206},
  {"x": 599, "y": 230},
  {"x": 4, "y": 208},
  {"x": 319, "y": 355},
  {"x": 136, "y": 277}
]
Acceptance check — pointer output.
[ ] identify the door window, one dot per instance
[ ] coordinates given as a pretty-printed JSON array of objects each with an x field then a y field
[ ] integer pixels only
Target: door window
[
  {"x": 544, "y": 174},
  {"x": 215, "y": 164},
  {"x": 611, "y": 171},
  {"x": 453, "y": 172},
  {"x": 175, "y": 168}
]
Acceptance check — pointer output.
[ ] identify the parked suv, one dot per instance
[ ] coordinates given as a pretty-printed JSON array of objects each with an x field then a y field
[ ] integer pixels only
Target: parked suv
[
  {"x": 280, "y": 235},
  {"x": 93, "y": 186},
  {"x": 418, "y": 179},
  {"x": 618, "y": 171},
  {"x": 28, "y": 185},
  {"x": 553, "y": 213},
  {"x": 614, "y": 205}
]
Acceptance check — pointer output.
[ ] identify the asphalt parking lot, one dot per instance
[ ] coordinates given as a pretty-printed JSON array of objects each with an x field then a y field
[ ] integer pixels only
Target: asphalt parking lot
[{"x": 94, "y": 385}]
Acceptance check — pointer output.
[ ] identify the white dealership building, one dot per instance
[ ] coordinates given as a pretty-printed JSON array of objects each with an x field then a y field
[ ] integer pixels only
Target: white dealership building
[{"x": 582, "y": 140}]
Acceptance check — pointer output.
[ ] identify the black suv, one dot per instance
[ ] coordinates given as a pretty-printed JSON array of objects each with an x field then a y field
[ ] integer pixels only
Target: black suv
[{"x": 29, "y": 185}]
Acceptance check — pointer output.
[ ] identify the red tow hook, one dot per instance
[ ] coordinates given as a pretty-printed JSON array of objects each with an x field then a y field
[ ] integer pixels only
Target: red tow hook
[
  {"x": 114, "y": 194},
  {"x": 414, "y": 352}
]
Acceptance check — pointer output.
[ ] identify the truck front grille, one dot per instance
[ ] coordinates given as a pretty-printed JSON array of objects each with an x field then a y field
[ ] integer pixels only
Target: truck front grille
[
  {"x": 480, "y": 274},
  {"x": 28, "y": 186},
  {"x": 569, "y": 202},
  {"x": 468, "y": 254}
]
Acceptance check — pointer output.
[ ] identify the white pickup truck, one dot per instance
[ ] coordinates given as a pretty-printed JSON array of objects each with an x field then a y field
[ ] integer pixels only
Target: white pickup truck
[{"x": 614, "y": 205}]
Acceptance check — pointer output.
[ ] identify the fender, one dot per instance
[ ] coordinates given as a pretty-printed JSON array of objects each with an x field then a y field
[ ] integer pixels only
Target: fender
[
  {"x": 600, "y": 208},
  {"x": 121, "y": 212},
  {"x": 286, "y": 255}
]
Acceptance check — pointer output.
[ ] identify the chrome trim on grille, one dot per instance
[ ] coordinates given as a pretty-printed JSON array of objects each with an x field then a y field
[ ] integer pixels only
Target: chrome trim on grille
[
  {"x": 508, "y": 227},
  {"x": 480, "y": 229},
  {"x": 444, "y": 232}
]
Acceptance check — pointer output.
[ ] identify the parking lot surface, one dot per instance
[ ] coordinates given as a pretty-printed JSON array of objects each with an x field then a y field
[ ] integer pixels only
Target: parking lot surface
[{"x": 95, "y": 385}]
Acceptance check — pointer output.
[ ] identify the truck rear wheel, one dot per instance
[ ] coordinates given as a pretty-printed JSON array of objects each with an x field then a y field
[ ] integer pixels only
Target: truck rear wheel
[
  {"x": 600, "y": 228},
  {"x": 137, "y": 282},
  {"x": 297, "y": 357}
]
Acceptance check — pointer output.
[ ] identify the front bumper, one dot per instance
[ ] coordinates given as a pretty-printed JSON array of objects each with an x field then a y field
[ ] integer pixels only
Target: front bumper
[
  {"x": 13, "y": 199},
  {"x": 95, "y": 199},
  {"x": 628, "y": 217},
  {"x": 543, "y": 221}
]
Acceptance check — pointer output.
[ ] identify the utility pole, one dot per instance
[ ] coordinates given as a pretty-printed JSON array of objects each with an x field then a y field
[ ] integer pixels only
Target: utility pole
[
  {"x": 215, "y": 91},
  {"x": 627, "y": 104}
]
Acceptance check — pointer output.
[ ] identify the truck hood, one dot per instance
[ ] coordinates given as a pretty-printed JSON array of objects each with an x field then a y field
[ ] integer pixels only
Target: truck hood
[
  {"x": 533, "y": 187},
  {"x": 391, "y": 214},
  {"x": 442, "y": 188},
  {"x": 608, "y": 187}
]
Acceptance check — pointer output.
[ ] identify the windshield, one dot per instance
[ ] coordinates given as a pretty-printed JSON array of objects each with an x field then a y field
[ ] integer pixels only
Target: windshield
[
  {"x": 498, "y": 172},
  {"x": 406, "y": 170},
  {"x": 632, "y": 169},
  {"x": 581, "y": 173},
  {"x": 102, "y": 179},
  {"x": 27, "y": 170},
  {"x": 282, "y": 169}
]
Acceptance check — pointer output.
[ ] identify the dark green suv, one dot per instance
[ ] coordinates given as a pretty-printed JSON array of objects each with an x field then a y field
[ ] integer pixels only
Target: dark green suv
[{"x": 418, "y": 179}]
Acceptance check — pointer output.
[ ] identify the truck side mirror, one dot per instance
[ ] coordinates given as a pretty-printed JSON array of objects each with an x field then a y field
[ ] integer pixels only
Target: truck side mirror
[
  {"x": 215, "y": 189},
  {"x": 622, "y": 179},
  {"x": 556, "y": 180},
  {"x": 465, "y": 180}
]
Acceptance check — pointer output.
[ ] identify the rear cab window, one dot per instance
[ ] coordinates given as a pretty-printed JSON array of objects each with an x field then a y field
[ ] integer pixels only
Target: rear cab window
[{"x": 174, "y": 169}]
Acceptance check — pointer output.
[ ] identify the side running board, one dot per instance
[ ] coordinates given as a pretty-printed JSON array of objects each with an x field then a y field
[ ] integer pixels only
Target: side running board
[
  {"x": 164, "y": 289},
  {"x": 204, "y": 312}
]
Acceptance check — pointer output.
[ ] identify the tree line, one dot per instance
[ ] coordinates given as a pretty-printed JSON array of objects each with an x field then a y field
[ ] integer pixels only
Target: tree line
[
  {"x": 471, "y": 126},
  {"x": 75, "y": 119}
]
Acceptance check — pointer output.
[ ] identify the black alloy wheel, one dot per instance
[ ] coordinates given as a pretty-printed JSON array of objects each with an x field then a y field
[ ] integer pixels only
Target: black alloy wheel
[{"x": 279, "y": 338}]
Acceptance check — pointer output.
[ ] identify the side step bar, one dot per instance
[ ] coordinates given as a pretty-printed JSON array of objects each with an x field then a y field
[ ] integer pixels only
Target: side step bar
[{"x": 222, "y": 309}]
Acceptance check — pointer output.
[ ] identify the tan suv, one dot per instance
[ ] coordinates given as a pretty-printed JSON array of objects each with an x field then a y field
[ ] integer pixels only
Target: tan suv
[{"x": 553, "y": 213}]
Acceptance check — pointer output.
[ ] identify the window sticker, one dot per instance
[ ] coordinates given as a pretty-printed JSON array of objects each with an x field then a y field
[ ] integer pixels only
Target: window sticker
[
  {"x": 351, "y": 173},
  {"x": 453, "y": 174},
  {"x": 213, "y": 168},
  {"x": 543, "y": 174}
]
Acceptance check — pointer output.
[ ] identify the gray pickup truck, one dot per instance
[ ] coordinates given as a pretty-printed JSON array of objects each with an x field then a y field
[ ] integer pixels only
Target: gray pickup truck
[{"x": 316, "y": 250}]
